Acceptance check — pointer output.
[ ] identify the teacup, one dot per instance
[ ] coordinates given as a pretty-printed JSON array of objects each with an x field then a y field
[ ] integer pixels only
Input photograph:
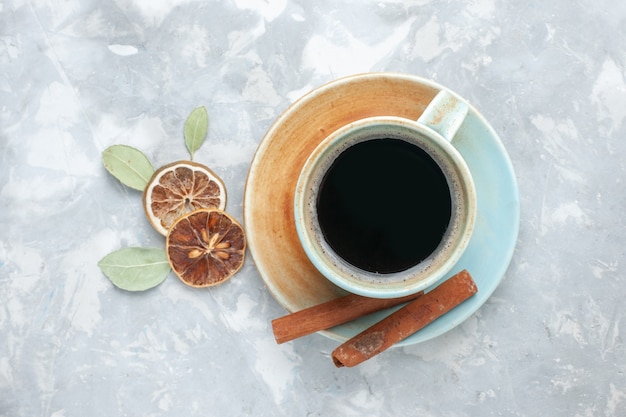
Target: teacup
[{"x": 385, "y": 206}]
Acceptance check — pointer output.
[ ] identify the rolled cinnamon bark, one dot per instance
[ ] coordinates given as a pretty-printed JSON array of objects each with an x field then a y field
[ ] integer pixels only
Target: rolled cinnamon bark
[
  {"x": 332, "y": 313},
  {"x": 406, "y": 321}
]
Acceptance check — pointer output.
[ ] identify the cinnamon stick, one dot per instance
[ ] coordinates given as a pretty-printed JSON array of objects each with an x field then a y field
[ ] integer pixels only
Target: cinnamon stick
[
  {"x": 406, "y": 321},
  {"x": 329, "y": 314}
]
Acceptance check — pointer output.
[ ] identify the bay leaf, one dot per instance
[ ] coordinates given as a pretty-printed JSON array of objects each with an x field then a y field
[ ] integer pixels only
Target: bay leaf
[
  {"x": 196, "y": 127},
  {"x": 136, "y": 268},
  {"x": 129, "y": 165}
]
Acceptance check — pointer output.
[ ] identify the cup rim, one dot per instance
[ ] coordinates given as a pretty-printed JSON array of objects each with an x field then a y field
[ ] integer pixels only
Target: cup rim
[{"x": 340, "y": 272}]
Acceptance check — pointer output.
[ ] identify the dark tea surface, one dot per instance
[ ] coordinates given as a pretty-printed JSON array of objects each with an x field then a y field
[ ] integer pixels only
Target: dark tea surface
[{"x": 384, "y": 205}]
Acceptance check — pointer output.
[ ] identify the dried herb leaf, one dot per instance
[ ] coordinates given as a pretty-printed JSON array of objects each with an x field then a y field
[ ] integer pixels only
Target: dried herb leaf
[
  {"x": 196, "y": 127},
  {"x": 129, "y": 165},
  {"x": 136, "y": 269}
]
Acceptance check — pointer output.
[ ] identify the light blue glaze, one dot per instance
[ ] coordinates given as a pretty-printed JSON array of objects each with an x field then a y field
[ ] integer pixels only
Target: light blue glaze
[{"x": 493, "y": 241}]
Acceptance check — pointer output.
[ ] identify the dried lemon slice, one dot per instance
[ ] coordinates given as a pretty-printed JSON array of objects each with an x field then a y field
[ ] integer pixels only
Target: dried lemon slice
[
  {"x": 180, "y": 188},
  {"x": 206, "y": 247}
]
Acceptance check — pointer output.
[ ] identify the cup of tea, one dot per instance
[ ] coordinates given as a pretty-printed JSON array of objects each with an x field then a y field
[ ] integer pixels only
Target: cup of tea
[{"x": 385, "y": 206}]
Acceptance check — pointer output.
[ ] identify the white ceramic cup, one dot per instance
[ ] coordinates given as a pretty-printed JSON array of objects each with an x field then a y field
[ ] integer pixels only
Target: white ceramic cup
[{"x": 432, "y": 133}]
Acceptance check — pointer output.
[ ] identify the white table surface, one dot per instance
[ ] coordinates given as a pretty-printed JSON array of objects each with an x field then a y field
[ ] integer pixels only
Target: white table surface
[{"x": 79, "y": 76}]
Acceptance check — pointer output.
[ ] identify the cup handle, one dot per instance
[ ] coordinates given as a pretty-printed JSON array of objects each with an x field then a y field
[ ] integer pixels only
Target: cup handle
[{"x": 444, "y": 114}]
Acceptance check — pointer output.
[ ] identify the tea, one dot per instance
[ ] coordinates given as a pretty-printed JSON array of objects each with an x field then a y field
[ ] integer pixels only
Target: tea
[{"x": 384, "y": 205}]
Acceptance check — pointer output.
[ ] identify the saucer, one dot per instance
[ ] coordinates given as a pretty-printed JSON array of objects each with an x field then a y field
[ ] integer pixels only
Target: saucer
[{"x": 269, "y": 195}]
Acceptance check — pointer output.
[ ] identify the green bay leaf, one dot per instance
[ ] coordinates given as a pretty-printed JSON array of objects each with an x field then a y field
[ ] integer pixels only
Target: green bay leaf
[
  {"x": 135, "y": 268},
  {"x": 129, "y": 165},
  {"x": 196, "y": 127}
]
